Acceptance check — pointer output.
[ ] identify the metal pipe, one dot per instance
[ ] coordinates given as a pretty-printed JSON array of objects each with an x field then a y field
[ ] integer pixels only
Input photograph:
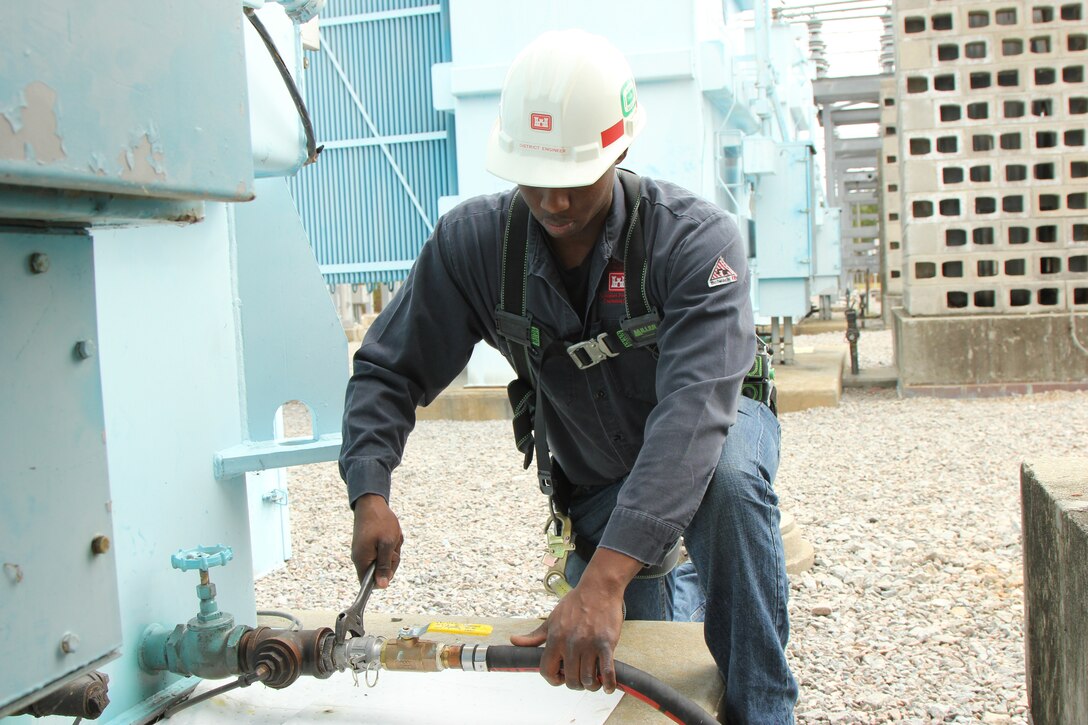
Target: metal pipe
[
  {"x": 244, "y": 681},
  {"x": 804, "y": 18},
  {"x": 85, "y": 697},
  {"x": 718, "y": 148},
  {"x": 829, "y": 3},
  {"x": 852, "y": 335},
  {"x": 763, "y": 55},
  {"x": 832, "y": 11}
]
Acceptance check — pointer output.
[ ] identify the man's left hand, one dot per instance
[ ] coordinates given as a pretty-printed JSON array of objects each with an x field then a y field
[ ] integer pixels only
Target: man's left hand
[{"x": 581, "y": 633}]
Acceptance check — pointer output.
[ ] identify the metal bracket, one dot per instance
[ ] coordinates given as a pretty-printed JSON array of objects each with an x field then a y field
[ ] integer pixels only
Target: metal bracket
[{"x": 277, "y": 496}]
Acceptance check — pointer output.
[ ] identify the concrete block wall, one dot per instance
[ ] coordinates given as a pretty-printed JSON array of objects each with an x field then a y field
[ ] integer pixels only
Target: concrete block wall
[
  {"x": 891, "y": 228},
  {"x": 992, "y": 156}
]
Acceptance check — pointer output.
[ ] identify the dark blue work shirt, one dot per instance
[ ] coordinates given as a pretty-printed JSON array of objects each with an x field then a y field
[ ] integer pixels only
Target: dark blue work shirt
[{"x": 659, "y": 421}]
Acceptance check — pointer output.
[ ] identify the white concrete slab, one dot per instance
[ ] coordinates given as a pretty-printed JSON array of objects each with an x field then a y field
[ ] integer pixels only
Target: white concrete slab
[{"x": 406, "y": 698}]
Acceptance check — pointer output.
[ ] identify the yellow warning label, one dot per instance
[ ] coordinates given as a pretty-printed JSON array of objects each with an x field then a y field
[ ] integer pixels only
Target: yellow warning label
[{"x": 472, "y": 630}]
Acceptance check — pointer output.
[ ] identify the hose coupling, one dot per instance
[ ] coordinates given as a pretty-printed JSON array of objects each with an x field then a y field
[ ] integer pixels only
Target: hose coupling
[{"x": 474, "y": 658}]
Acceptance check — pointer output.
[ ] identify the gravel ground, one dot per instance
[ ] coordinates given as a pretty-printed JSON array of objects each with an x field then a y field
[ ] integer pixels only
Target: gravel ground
[{"x": 913, "y": 611}]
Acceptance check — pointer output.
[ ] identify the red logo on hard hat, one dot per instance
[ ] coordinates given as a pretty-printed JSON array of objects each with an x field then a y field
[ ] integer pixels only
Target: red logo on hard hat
[{"x": 540, "y": 122}]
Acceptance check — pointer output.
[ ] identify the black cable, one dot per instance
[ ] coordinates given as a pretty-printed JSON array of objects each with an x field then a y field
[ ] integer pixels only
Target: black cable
[
  {"x": 636, "y": 682},
  {"x": 312, "y": 149}
]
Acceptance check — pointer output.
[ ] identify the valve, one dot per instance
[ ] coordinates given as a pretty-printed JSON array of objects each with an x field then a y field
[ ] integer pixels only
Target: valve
[
  {"x": 207, "y": 646},
  {"x": 202, "y": 557}
]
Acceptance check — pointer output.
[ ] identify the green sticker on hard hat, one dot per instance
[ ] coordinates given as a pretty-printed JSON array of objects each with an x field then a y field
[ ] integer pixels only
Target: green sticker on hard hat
[{"x": 627, "y": 98}]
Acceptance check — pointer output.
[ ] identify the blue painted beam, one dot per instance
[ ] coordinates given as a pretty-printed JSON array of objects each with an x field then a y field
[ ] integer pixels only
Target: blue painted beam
[{"x": 253, "y": 456}]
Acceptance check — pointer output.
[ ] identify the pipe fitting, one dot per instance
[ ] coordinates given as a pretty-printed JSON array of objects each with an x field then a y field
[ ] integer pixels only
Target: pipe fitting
[
  {"x": 411, "y": 654},
  {"x": 287, "y": 654},
  {"x": 86, "y": 697}
]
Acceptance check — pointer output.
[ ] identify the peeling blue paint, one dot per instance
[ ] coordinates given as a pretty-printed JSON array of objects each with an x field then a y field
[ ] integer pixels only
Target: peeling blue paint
[{"x": 152, "y": 118}]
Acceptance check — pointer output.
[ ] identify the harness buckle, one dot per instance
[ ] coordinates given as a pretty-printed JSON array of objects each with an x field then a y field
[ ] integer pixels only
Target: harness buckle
[{"x": 588, "y": 353}]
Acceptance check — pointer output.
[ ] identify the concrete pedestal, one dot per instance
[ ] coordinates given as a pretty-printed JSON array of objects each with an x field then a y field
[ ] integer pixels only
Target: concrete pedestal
[
  {"x": 978, "y": 355},
  {"x": 1054, "y": 495}
]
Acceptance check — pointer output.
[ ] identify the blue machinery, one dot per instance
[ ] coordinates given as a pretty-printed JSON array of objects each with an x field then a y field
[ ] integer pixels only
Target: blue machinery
[
  {"x": 158, "y": 303},
  {"x": 159, "y": 299}
]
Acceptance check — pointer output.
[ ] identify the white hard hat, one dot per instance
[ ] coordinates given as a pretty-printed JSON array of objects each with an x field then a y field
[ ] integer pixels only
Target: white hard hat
[{"x": 569, "y": 108}]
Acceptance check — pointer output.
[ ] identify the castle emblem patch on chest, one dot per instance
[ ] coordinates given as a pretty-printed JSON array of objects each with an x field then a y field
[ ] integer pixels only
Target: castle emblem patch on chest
[
  {"x": 615, "y": 281},
  {"x": 721, "y": 274}
]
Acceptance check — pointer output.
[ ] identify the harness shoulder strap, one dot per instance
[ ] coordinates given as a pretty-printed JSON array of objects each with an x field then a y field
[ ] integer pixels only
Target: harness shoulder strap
[
  {"x": 514, "y": 323},
  {"x": 511, "y": 318},
  {"x": 639, "y": 328}
]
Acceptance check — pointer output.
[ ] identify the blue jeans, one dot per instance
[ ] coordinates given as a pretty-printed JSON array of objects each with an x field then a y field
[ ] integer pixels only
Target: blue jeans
[{"x": 736, "y": 579}]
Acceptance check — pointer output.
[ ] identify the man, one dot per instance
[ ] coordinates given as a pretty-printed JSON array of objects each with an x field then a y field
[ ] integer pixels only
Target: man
[{"x": 641, "y": 437}]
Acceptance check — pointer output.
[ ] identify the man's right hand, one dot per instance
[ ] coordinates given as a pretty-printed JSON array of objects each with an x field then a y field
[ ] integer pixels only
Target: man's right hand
[{"x": 376, "y": 538}]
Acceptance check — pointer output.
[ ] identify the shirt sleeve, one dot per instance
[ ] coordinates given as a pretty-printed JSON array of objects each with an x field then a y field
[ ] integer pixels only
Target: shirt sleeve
[
  {"x": 414, "y": 349},
  {"x": 706, "y": 342}
]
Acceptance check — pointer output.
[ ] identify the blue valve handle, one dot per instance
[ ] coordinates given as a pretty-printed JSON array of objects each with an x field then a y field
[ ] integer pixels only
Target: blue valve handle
[{"x": 202, "y": 557}]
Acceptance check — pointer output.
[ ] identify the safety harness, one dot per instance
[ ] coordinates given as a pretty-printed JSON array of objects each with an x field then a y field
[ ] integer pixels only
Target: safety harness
[{"x": 530, "y": 343}]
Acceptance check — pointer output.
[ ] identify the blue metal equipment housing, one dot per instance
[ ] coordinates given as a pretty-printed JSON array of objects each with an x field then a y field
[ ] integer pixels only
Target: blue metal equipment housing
[
  {"x": 144, "y": 363},
  {"x": 388, "y": 159}
]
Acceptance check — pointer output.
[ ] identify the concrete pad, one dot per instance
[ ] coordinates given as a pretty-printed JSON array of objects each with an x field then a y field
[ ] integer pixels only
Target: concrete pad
[
  {"x": 674, "y": 652},
  {"x": 837, "y": 323},
  {"x": 461, "y": 403},
  {"x": 884, "y": 376},
  {"x": 813, "y": 380},
  {"x": 816, "y": 326}
]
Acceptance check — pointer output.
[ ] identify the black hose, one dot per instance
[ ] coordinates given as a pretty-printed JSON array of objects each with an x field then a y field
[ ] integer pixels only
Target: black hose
[{"x": 637, "y": 683}]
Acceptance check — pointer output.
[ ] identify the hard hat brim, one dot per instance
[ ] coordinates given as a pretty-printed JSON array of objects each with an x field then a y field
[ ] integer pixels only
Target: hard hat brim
[{"x": 558, "y": 171}]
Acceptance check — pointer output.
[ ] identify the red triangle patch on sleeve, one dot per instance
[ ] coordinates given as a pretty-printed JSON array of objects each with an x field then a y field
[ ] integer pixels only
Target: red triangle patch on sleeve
[{"x": 721, "y": 274}]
